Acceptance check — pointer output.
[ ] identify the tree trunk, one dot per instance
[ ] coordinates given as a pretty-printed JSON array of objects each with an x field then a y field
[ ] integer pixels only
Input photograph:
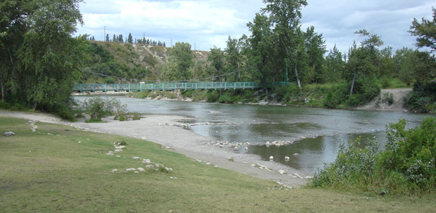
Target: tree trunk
[
  {"x": 352, "y": 84},
  {"x": 35, "y": 105},
  {"x": 1, "y": 87},
  {"x": 298, "y": 77}
]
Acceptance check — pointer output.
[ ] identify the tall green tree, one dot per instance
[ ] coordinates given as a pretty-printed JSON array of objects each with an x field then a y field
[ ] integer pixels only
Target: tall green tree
[
  {"x": 217, "y": 64},
  {"x": 334, "y": 66},
  {"x": 425, "y": 31},
  {"x": 179, "y": 63},
  {"x": 233, "y": 59},
  {"x": 130, "y": 38},
  {"x": 315, "y": 50},
  {"x": 260, "y": 48},
  {"x": 363, "y": 61},
  {"x": 285, "y": 16},
  {"x": 405, "y": 60},
  {"x": 43, "y": 60}
]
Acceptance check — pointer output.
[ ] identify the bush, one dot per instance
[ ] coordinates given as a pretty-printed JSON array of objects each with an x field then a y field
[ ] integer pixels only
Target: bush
[
  {"x": 136, "y": 116},
  {"x": 98, "y": 108},
  {"x": 213, "y": 96},
  {"x": 388, "y": 98},
  {"x": 423, "y": 97},
  {"x": 406, "y": 166}
]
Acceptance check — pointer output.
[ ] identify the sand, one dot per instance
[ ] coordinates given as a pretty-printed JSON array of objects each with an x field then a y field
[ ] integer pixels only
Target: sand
[{"x": 163, "y": 129}]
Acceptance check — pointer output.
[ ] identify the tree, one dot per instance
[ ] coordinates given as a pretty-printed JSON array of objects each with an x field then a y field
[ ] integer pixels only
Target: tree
[
  {"x": 285, "y": 16},
  {"x": 363, "y": 60},
  {"x": 130, "y": 38},
  {"x": 233, "y": 59},
  {"x": 405, "y": 60},
  {"x": 425, "y": 32},
  {"x": 260, "y": 48},
  {"x": 179, "y": 63},
  {"x": 315, "y": 50},
  {"x": 43, "y": 59},
  {"x": 334, "y": 66},
  {"x": 217, "y": 64}
]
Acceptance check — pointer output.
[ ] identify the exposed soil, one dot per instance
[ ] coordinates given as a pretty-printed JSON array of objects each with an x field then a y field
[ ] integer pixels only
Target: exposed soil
[{"x": 398, "y": 104}]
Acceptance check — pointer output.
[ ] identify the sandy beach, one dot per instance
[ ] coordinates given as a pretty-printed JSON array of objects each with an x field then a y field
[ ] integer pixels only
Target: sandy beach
[{"x": 166, "y": 130}]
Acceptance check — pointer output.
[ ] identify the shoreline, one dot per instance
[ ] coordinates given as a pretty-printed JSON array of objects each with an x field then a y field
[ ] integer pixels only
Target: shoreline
[
  {"x": 375, "y": 105},
  {"x": 186, "y": 142}
]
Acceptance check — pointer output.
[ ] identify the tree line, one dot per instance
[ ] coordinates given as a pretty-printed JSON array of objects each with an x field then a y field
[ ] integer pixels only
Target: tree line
[
  {"x": 41, "y": 60},
  {"x": 129, "y": 39},
  {"x": 279, "y": 50}
]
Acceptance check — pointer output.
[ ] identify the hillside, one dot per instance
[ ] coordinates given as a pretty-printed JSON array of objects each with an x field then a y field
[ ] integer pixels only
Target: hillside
[{"x": 113, "y": 62}]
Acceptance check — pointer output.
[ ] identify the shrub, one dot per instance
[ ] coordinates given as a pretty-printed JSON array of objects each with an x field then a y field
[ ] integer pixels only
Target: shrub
[
  {"x": 98, "y": 108},
  {"x": 406, "y": 166},
  {"x": 422, "y": 98},
  {"x": 213, "y": 96},
  {"x": 136, "y": 116},
  {"x": 388, "y": 98}
]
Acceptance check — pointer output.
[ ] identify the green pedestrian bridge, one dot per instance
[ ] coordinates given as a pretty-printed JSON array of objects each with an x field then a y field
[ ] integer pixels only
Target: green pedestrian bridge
[{"x": 168, "y": 86}]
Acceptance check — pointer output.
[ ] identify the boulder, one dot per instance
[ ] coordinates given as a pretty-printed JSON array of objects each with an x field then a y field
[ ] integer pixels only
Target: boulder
[{"x": 8, "y": 134}]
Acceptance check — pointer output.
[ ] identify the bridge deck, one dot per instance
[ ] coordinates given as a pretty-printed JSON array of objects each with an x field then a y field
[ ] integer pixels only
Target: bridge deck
[{"x": 167, "y": 86}]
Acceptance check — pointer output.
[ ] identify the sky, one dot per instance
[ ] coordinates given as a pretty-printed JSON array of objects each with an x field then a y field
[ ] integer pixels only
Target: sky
[{"x": 206, "y": 24}]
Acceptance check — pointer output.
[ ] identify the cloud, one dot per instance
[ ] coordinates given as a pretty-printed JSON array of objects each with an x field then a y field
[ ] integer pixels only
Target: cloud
[{"x": 208, "y": 23}]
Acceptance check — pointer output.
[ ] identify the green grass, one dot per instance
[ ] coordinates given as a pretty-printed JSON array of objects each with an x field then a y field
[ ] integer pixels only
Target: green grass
[{"x": 49, "y": 170}]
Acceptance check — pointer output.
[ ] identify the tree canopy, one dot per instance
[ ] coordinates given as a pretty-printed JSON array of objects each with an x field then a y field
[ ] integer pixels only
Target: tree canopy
[{"x": 42, "y": 60}]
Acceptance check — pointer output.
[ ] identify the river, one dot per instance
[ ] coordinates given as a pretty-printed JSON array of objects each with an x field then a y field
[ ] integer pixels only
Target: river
[{"x": 309, "y": 136}]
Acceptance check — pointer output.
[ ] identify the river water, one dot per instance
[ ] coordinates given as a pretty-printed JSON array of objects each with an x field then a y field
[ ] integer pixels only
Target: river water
[{"x": 309, "y": 136}]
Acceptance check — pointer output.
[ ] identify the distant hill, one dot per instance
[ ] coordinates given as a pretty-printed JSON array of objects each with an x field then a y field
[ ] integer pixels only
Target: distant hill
[{"x": 113, "y": 62}]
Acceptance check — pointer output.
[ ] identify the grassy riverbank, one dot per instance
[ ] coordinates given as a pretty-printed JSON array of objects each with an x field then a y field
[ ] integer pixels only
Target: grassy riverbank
[{"x": 59, "y": 168}]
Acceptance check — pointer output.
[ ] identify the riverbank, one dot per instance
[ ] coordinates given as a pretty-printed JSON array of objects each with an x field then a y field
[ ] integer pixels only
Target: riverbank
[
  {"x": 380, "y": 103},
  {"x": 166, "y": 131}
]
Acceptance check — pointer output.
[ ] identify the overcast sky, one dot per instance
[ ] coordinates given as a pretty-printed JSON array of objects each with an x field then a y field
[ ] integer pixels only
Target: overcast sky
[{"x": 208, "y": 23}]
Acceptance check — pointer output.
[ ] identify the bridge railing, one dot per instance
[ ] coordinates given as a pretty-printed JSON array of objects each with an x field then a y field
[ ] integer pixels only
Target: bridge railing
[{"x": 168, "y": 86}]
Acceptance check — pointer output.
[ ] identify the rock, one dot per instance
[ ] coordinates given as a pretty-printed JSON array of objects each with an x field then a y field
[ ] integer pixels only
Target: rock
[
  {"x": 114, "y": 170},
  {"x": 130, "y": 169},
  {"x": 8, "y": 134},
  {"x": 296, "y": 154},
  {"x": 136, "y": 158},
  {"x": 148, "y": 161},
  {"x": 287, "y": 158},
  {"x": 282, "y": 172},
  {"x": 271, "y": 158},
  {"x": 141, "y": 169}
]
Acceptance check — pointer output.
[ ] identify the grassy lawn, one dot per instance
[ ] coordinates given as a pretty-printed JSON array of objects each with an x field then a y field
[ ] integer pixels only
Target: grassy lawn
[{"x": 49, "y": 170}]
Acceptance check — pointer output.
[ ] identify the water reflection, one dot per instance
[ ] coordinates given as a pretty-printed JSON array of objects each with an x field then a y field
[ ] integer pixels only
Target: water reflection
[{"x": 312, "y": 153}]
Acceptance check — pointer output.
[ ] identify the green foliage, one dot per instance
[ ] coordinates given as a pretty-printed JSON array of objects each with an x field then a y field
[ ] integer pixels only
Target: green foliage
[
  {"x": 406, "y": 166},
  {"x": 423, "y": 97},
  {"x": 388, "y": 98},
  {"x": 213, "y": 96},
  {"x": 179, "y": 63},
  {"x": 336, "y": 96},
  {"x": 366, "y": 89},
  {"x": 425, "y": 31},
  {"x": 40, "y": 60},
  {"x": 385, "y": 83},
  {"x": 98, "y": 108},
  {"x": 136, "y": 116}
]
